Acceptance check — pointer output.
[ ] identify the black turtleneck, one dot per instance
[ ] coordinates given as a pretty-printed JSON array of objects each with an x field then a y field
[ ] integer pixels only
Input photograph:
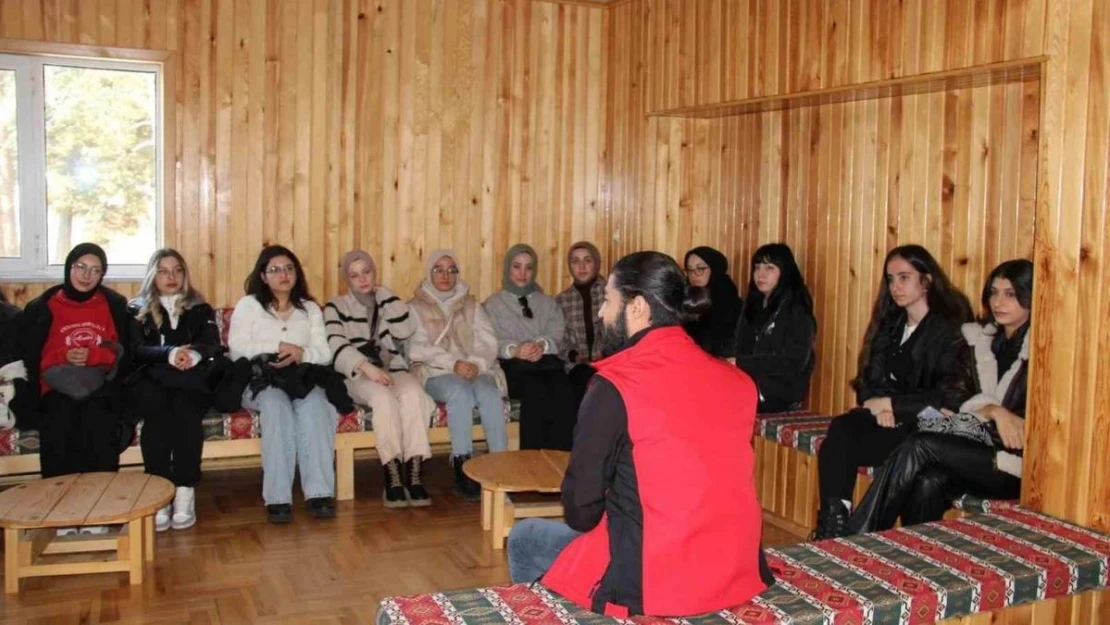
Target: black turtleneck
[{"x": 1007, "y": 350}]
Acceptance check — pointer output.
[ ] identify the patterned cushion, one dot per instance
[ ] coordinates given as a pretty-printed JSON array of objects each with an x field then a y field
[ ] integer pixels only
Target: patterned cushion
[
  {"x": 802, "y": 430},
  {"x": 244, "y": 424},
  {"x": 906, "y": 576}
]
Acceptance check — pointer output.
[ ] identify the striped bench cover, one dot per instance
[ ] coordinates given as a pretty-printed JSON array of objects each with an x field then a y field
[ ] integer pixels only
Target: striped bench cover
[
  {"x": 805, "y": 431},
  {"x": 905, "y": 576}
]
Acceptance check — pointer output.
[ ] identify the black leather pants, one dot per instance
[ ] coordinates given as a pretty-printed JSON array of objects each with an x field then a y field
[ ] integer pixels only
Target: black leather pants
[{"x": 920, "y": 480}]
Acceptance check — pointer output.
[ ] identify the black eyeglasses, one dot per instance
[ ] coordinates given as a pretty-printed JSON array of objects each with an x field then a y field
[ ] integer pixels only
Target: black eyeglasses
[{"x": 524, "y": 304}]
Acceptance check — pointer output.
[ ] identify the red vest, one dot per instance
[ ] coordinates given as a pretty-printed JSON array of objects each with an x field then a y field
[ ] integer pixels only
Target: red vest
[{"x": 690, "y": 420}]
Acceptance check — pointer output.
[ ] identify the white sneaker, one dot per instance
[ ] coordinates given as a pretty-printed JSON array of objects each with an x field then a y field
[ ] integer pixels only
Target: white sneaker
[
  {"x": 162, "y": 518},
  {"x": 94, "y": 530},
  {"x": 66, "y": 531},
  {"x": 184, "y": 508}
]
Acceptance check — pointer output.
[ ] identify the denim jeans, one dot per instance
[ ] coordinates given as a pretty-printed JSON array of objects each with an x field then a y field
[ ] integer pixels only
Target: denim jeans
[
  {"x": 297, "y": 433},
  {"x": 461, "y": 396},
  {"x": 533, "y": 546}
]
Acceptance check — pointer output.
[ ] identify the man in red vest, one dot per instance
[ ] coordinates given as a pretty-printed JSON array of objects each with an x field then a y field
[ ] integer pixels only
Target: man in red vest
[{"x": 660, "y": 507}]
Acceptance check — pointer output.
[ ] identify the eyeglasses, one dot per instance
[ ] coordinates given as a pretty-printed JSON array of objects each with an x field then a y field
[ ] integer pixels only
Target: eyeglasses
[
  {"x": 86, "y": 270},
  {"x": 450, "y": 271},
  {"x": 176, "y": 272},
  {"x": 527, "y": 310},
  {"x": 697, "y": 271},
  {"x": 275, "y": 270}
]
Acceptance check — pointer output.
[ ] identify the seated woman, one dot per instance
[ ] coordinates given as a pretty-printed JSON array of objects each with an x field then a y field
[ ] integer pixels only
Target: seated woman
[
  {"x": 529, "y": 327},
  {"x": 913, "y": 357},
  {"x": 77, "y": 348},
  {"x": 715, "y": 329},
  {"x": 967, "y": 452},
  {"x": 13, "y": 375},
  {"x": 454, "y": 351},
  {"x": 580, "y": 303},
  {"x": 777, "y": 330},
  {"x": 279, "y": 323},
  {"x": 179, "y": 337},
  {"x": 366, "y": 329}
]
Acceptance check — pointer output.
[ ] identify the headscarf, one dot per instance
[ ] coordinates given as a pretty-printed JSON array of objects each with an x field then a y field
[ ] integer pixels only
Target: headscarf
[
  {"x": 722, "y": 290},
  {"x": 506, "y": 275},
  {"x": 83, "y": 249},
  {"x": 592, "y": 249},
  {"x": 366, "y": 299},
  {"x": 430, "y": 263}
]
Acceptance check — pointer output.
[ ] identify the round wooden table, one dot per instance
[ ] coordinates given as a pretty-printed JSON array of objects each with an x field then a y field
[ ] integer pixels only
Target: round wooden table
[
  {"x": 532, "y": 470},
  {"x": 31, "y": 513}
]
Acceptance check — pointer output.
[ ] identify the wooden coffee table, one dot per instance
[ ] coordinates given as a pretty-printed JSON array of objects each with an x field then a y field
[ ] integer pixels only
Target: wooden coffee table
[
  {"x": 512, "y": 472},
  {"x": 31, "y": 513}
]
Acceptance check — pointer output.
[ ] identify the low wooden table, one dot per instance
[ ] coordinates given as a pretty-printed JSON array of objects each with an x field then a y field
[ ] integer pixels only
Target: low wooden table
[
  {"x": 512, "y": 472},
  {"x": 31, "y": 513}
]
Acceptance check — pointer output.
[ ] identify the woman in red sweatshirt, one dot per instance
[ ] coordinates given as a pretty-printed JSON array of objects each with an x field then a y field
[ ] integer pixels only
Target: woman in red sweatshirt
[{"x": 76, "y": 344}]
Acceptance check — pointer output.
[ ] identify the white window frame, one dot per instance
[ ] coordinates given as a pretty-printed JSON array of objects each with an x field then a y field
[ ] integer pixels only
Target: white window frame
[{"x": 29, "y": 60}]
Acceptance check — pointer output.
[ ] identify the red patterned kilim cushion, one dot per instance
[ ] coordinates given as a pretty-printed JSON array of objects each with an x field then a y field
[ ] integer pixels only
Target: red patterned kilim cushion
[{"x": 907, "y": 576}]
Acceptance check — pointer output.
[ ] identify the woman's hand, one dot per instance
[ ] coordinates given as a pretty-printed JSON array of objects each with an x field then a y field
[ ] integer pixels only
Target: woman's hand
[
  {"x": 78, "y": 356},
  {"x": 879, "y": 405},
  {"x": 288, "y": 354},
  {"x": 466, "y": 370},
  {"x": 530, "y": 351},
  {"x": 375, "y": 374},
  {"x": 183, "y": 358},
  {"x": 1011, "y": 428},
  {"x": 886, "y": 419}
]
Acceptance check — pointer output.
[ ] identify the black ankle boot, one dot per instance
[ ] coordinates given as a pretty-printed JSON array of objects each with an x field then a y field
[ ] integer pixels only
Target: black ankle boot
[
  {"x": 464, "y": 486},
  {"x": 414, "y": 483},
  {"x": 832, "y": 520},
  {"x": 393, "y": 494}
]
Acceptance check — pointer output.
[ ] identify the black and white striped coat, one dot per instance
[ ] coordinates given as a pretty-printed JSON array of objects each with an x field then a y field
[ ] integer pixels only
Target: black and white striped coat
[{"x": 348, "y": 326}]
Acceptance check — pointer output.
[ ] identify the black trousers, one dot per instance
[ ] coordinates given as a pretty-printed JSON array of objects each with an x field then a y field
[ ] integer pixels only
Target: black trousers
[
  {"x": 173, "y": 436},
  {"x": 78, "y": 436},
  {"x": 547, "y": 411},
  {"x": 580, "y": 376},
  {"x": 928, "y": 471},
  {"x": 855, "y": 440}
]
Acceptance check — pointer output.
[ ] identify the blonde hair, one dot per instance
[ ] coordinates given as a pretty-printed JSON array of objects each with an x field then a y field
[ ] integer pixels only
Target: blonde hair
[{"x": 148, "y": 303}]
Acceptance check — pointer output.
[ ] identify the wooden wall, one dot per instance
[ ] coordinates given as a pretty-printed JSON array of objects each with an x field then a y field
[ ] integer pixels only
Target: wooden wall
[
  {"x": 966, "y": 172},
  {"x": 841, "y": 183},
  {"x": 1069, "y": 438},
  {"x": 395, "y": 125}
]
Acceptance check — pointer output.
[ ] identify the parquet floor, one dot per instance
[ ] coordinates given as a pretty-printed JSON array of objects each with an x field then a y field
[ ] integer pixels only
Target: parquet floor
[{"x": 232, "y": 567}]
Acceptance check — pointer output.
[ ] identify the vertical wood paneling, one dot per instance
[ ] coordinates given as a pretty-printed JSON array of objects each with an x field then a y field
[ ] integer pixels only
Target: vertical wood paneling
[
  {"x": 395, "y": 125},
  {"x": 957, "y": 171}
]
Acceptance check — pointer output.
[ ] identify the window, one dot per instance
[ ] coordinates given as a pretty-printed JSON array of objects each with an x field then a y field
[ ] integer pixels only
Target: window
[{"x": 81, "y": 155}]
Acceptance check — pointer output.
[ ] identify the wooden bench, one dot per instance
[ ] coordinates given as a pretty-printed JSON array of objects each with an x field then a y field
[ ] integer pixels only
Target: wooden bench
[
  {"x": 786, "y": 447},
  {"x": 1009, "y": 564},
  {"x": 238, "y": 435}
]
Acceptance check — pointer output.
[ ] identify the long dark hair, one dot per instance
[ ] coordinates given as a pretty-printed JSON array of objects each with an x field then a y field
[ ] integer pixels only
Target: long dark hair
[
  {"x": 256, "y": 286},
  {"x": 659, "y": 279},
  {"x": 791, "y": 286},
  {"x": 945, "y": 300},
  {"x": 1020, "y": 274}
]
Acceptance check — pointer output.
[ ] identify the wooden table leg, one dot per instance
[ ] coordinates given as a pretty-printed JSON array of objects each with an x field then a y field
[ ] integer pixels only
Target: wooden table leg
[
  {"x": 135, "y": 550},
  {"x": 498, "y": 526},
  {"x": 11, "y": 560},
  {"x": 487, "y": 509},
  {"x": 148, "y": 538}
]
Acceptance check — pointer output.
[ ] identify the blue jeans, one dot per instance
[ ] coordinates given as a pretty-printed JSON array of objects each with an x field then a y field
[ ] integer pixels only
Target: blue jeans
[
  {"x": 533, "y": 546},
  {"x": 297, "y": 433},
  {"x": 461, "y": 396}
]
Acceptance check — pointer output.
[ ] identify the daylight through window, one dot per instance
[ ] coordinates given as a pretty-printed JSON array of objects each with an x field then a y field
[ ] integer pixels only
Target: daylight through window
[{"x": 80, "y": 160}]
